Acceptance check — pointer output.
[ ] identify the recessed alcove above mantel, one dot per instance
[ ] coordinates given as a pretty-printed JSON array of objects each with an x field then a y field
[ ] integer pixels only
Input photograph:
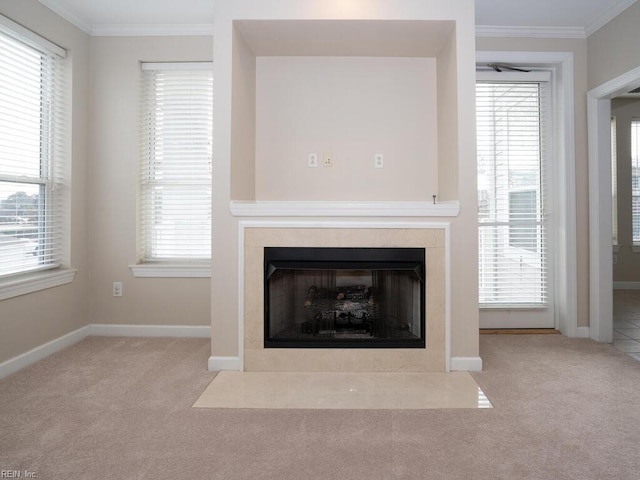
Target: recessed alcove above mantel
[{"x": 350, "y": 89}]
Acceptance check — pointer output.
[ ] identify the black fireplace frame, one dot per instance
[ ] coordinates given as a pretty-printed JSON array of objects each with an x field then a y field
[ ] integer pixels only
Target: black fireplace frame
[{"x": 312, "y": 258}]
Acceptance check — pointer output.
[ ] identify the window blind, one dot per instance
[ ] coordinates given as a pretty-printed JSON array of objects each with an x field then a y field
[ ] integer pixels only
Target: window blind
[
  {"x": 175, "y": 176},
  {"x": 511, "y": 120},
  {"x": 33, "y": 156},
  {"x": 635, "y": 179}
]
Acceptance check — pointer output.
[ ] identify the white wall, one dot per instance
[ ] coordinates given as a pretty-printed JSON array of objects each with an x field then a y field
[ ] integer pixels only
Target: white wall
[
  {"x": 352, "y": 108},
  {"x": 112, "y": 182}
]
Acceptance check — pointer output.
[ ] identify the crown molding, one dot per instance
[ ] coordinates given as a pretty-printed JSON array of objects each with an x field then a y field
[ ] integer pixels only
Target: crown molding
[
  {"x": 68, "y": 15},
  {"x": 152, "y": 30},
  {"x": 530, "y": 32},
  {"x": 607, "y": 16}
]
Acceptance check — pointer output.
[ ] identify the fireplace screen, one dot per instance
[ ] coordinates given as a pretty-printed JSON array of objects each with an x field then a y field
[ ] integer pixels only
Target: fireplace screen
[{"x": 344, "y": 297}]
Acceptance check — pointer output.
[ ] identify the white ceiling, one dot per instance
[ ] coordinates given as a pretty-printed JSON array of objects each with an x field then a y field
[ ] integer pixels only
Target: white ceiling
[{"x": 570, "y": 18}]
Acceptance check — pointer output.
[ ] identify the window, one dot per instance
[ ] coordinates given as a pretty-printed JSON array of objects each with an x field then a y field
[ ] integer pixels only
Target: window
[
  {"x": 511, "y": 125},
  {"x": 175, "y": 181},
  {"x": 635, "y": 179},
  {"x": 33, "y": 187},
  {"x": 523, "y": 207}
]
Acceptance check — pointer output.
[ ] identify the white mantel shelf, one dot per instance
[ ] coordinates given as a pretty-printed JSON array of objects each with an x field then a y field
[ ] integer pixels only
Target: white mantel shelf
[{"x": 343, "y": 209}]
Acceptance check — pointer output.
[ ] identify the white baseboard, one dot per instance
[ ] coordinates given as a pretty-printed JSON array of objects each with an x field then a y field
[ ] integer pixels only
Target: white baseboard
[
  {"x": 583, "y": 332},
  {"x": 466, "y": 364},
  {"x": 36, "y": 354},
  {"x": 626, "y": 285},
  {"x": 225, "y": 363},
  {"x": 186, "y": 331},
  {"x": 32, "y": 356}
]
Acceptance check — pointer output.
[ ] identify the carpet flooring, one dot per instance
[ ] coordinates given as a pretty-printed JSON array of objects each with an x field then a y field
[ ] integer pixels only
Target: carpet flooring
[{"x": 120, "y": 408}]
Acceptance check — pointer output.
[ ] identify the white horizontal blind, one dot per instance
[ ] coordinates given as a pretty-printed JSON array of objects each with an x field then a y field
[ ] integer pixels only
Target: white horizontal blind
[
  {"x": 33, "y": 156},
  {"x": 511, "y": 120},
  {"x": 635, "y": 179},
  {"x": 175, "y": 181}
]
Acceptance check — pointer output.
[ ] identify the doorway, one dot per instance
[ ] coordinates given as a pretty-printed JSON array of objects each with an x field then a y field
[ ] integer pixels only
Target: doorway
[{"x": 600, "y": 202}]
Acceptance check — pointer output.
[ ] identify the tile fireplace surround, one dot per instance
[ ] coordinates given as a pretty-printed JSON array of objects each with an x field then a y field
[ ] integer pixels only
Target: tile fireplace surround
[{"x": 433, "y": 237}]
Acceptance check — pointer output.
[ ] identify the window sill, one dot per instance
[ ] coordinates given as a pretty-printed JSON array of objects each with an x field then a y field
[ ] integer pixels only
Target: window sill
[
  {"x": 635, "y": 248},
  {"x": 34, "y": 282},
  {"x": 149, "y": 270}
]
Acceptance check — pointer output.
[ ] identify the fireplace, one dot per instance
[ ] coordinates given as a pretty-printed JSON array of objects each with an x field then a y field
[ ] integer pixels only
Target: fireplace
[{"x": 344, "y": 297}]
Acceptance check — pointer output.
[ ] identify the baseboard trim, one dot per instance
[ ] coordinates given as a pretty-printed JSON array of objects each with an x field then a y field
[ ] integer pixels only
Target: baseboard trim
[
  {"x": 583, "y": 332},
  {"x": 183, "y": 331},
  {"x": 626, "y": 285},
  {"x": 466, "y": 364},
  {"x": 43, "y": 351},
  {"x": 100, "y": 330},
  {"x": 225, "y": 363}
]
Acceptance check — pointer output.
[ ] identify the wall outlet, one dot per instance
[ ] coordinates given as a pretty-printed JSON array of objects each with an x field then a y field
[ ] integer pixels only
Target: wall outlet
[
  {"x": 378, "y": 160},
  {"x": 117, "y": 289},
  {"x": 312, "y": 160},
  {"x": 328, "y": 160}
]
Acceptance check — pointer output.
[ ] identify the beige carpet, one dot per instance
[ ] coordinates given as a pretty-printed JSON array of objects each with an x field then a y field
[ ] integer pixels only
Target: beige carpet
[
  {"x": 343, "y": 391},
  {"x": 121, "y": 408}
]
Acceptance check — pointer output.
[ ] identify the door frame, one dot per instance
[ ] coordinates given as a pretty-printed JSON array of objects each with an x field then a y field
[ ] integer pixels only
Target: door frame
[
  {"x": 600, "y": 226},
  {"x": 564, "y": 220}
]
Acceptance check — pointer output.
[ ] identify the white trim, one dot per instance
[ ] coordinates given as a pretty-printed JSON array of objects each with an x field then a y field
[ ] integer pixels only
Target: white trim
[
  {"x": 216, "y": 364},
  {"x": 600, "y": 264},
  {"x": 34, "y": 282},
  {"x": 38, "y": 353},
  {"x": 176, "y": 66},
  {"x": 32, "y": 39},
  {"x": 466, "y": 364},
  {"x": 626, "y": 285},
  {"x": 583, "y": 332},
  {"x": 607, "y": 16},
  {"x": 529, "y": 32},
  {"x": 491, "y": 75},
  {"x": 178, "y": 331},
  {"x": 152, "y": 30},
  {"x": 68, "y": 15},
  {"x": 343, "y": 209},
  {"x": 244, "y": 224},
  {"x": 617, "y": 86},
  {"x": 170, "y": 271},
  {"x": 565, "y": 284}
]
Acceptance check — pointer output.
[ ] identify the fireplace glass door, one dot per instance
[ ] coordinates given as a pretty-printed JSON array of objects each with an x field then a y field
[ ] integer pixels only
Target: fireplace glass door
[{"x": 344, "y": 297}]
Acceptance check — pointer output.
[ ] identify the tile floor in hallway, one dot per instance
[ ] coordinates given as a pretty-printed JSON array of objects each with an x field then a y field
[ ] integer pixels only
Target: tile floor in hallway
[{"x": 626, "y": 322}]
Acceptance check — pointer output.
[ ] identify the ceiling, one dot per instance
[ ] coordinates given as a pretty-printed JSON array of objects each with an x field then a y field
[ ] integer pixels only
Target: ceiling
[{"x": 551, "y": 18}]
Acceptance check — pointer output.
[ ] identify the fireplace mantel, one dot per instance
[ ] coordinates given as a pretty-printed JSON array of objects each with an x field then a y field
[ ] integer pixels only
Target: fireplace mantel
[{"x": 343, "y": 209}]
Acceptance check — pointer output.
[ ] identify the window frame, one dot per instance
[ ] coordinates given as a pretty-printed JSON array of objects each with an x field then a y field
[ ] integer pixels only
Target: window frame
[
  {"x": 544, "y": 77},
  {"x": 153, "y": 267},
  {"x": 56, "y": 273}
]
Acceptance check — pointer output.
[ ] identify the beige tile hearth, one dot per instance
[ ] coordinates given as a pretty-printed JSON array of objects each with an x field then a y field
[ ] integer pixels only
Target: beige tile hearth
[{"x": 343, "y": 390}]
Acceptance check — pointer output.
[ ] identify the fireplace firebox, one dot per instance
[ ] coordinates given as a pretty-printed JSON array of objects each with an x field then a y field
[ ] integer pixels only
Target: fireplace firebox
[{"x": 344, "y": 297}]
